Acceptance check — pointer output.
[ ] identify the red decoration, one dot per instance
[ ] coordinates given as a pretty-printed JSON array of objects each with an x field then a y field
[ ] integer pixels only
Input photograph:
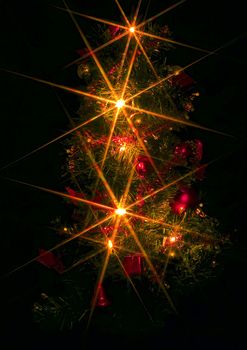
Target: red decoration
[
  {"x": 102, "y": 300},
  {"x": 73, "y": 193},
  {"x": 114, "y": 30},
  {"x": 142, "y": 165},
  {"x": 198, "y": 150},
  {"x": 185, "y": 198},
  {"x": 183, "y": 81},
  {"x": 182, "y": 151},
  {"x": 133, "y": 264},
  {"x": 49, "y": 260}
]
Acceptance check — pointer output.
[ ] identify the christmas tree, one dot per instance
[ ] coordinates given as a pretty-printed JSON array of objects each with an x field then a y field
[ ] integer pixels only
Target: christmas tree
[{"x": 132, "y": 179}]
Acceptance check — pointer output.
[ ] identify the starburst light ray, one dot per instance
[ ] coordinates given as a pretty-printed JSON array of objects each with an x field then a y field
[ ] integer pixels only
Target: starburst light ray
[
  {"x": 123, "y": 14},
  {"x": 60, "y": 86},
  {"x": 151, "y": 266},
  {"x": 92, "y": 53},
  {"x": 79, "y": 234},
  {"x": 103, "y": 270},
  {"x": 124, "y": 57},
  {"x": 88, "y": 54},
  {"x": 129, "y": 72},
  {"x": 65, "y": 195},
  {"x": 160, "y": 14},
  {"x": 86, "y": 258},
  {"x": 56, "y": 139},
  {"x": 172, "y": 41},
  {"x": 127, "y": 188},
  {"x": 114, "y": 122},
  {"x": 134, "y": 287},
  {"x": 92, "y": 17},
  {"x": 136, "y": 133},
  {"x": 176, "y": 120},
  {"x": 151, "y": 86},
  {"x": 146, "y": 56},
  {"x": 137, "y": 12}
]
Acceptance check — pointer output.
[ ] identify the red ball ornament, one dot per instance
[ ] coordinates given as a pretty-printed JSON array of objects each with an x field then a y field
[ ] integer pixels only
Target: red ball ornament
[
  {"x": 142, "y": 165},
  {"x": 182, "y": 151},
  {"x": 185, "y": 198},
  {"x": 102, "y": 300}
]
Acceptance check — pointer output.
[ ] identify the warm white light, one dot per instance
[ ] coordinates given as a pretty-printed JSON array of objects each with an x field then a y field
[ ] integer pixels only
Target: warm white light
[
  {"x": 172, "y": 239},
  {"x": 110, "y": 244},
  {"x": 120, "y": 103},
  {"x": 122, "y": 148},
  {"x": 120, "y": 211},
  {"x": 132, "y": 29}
]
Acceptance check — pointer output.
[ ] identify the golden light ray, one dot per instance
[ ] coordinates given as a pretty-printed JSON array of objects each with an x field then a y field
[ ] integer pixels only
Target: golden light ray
[
  {"x": 180, "y": 121},
  {"x": 101, "y": 176},
  {"x": 122, "y": 12},
  {"x": 136, "y": 133},
  {"x": 127, "y": 188},
  {"x": 110, "y": 137},
  {"x": 180, "y": 70},
  {"x": 129, "y": 72},
  {"x": 124, "y": 57},
  {"x": 92, "y": 53},
  {"x": 103, "y": 270},
  {"x": 56, "y": 139},
  {"x": 146, "y": 56},
  {"x": 81, "y": 261},
  {"x": 59, "y": 245},
  {"x": 97, "y": 49},
  {"x": 92, "y": 17},
  {"x": 160, "y": 13},
  {"x": 172, "y": 41},
  {"x": 99, "y": 283},
  {"x": 137, "y": 11},
  {"x": 65, "y": 195},
  {"x": 151, "y": 266},
  {"x": 60, "y": 86},
  {"x": 134, "y": 287}
]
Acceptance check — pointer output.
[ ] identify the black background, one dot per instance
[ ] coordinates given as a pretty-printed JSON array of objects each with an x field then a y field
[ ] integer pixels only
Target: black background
[{"x": 38, "y": 39}]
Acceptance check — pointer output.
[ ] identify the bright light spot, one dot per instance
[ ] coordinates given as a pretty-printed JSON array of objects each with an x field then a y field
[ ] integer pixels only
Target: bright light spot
[
  {"x": 109, "y": 244},
  {"x": 122, "y": 148},
  {"x": 132, "y": 29},
  {"x": 172, "y": 239},
  {"x": 65, "y": 229},
  {"x": 172, "y": 254},
  {"x": 120, "y": 103},
  {"x": 120, "y": 211}
]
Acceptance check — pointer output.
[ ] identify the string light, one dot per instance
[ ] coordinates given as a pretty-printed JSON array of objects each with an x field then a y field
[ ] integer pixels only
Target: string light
[
  {"x": 120, "y": 103},
  {"x": 132, "y": 29},
  {"x": 109, "y": 244},
  {"x": 120, "y": 211}
]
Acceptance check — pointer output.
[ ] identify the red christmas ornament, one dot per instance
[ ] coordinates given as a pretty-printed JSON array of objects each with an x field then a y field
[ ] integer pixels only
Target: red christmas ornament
[
  {"x": 73, "y": 193},
  {"x": 49, "y": 260},
  {"x": 185, "y": 198},
  {"x": 198, "y": 150},
  {"x": 142, "y": 165},
  {"x": 114, "y": 30},
  {"x": 102, "y": 300},
  {"x": 133, "y": 264},
  {"x": 182, "y": 151},
  {"x": 183, "y": 81}
]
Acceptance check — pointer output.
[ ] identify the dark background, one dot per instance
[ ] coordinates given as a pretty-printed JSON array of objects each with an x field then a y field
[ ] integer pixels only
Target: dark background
[{"x": 37, "y": 39}]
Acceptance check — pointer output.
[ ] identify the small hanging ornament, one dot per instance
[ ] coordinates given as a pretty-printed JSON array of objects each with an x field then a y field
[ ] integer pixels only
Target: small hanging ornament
[
  {"x": 185, "y": 198},
  {"x": 102, "y": 300},
  {"x": 142, "y": 165},
  {"x": 114, "y": 30},
  {"x": 83, "y": 70},
  {"x": 182, "y": 151},
  {"x": 133, "y": 264}
]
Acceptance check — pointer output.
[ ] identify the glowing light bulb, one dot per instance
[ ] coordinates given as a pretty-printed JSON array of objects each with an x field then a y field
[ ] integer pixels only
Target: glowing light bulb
[
  {"x": 172, "y": 239},
  {"x": 65, "y": 229},
  {"x": 120, "y": 103},
  {"x": 120, "y": 211},
  {"x": 132, "y": 29},
  {"x": 122, "y": 148},
  {"x": 109, "y": 244}
]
